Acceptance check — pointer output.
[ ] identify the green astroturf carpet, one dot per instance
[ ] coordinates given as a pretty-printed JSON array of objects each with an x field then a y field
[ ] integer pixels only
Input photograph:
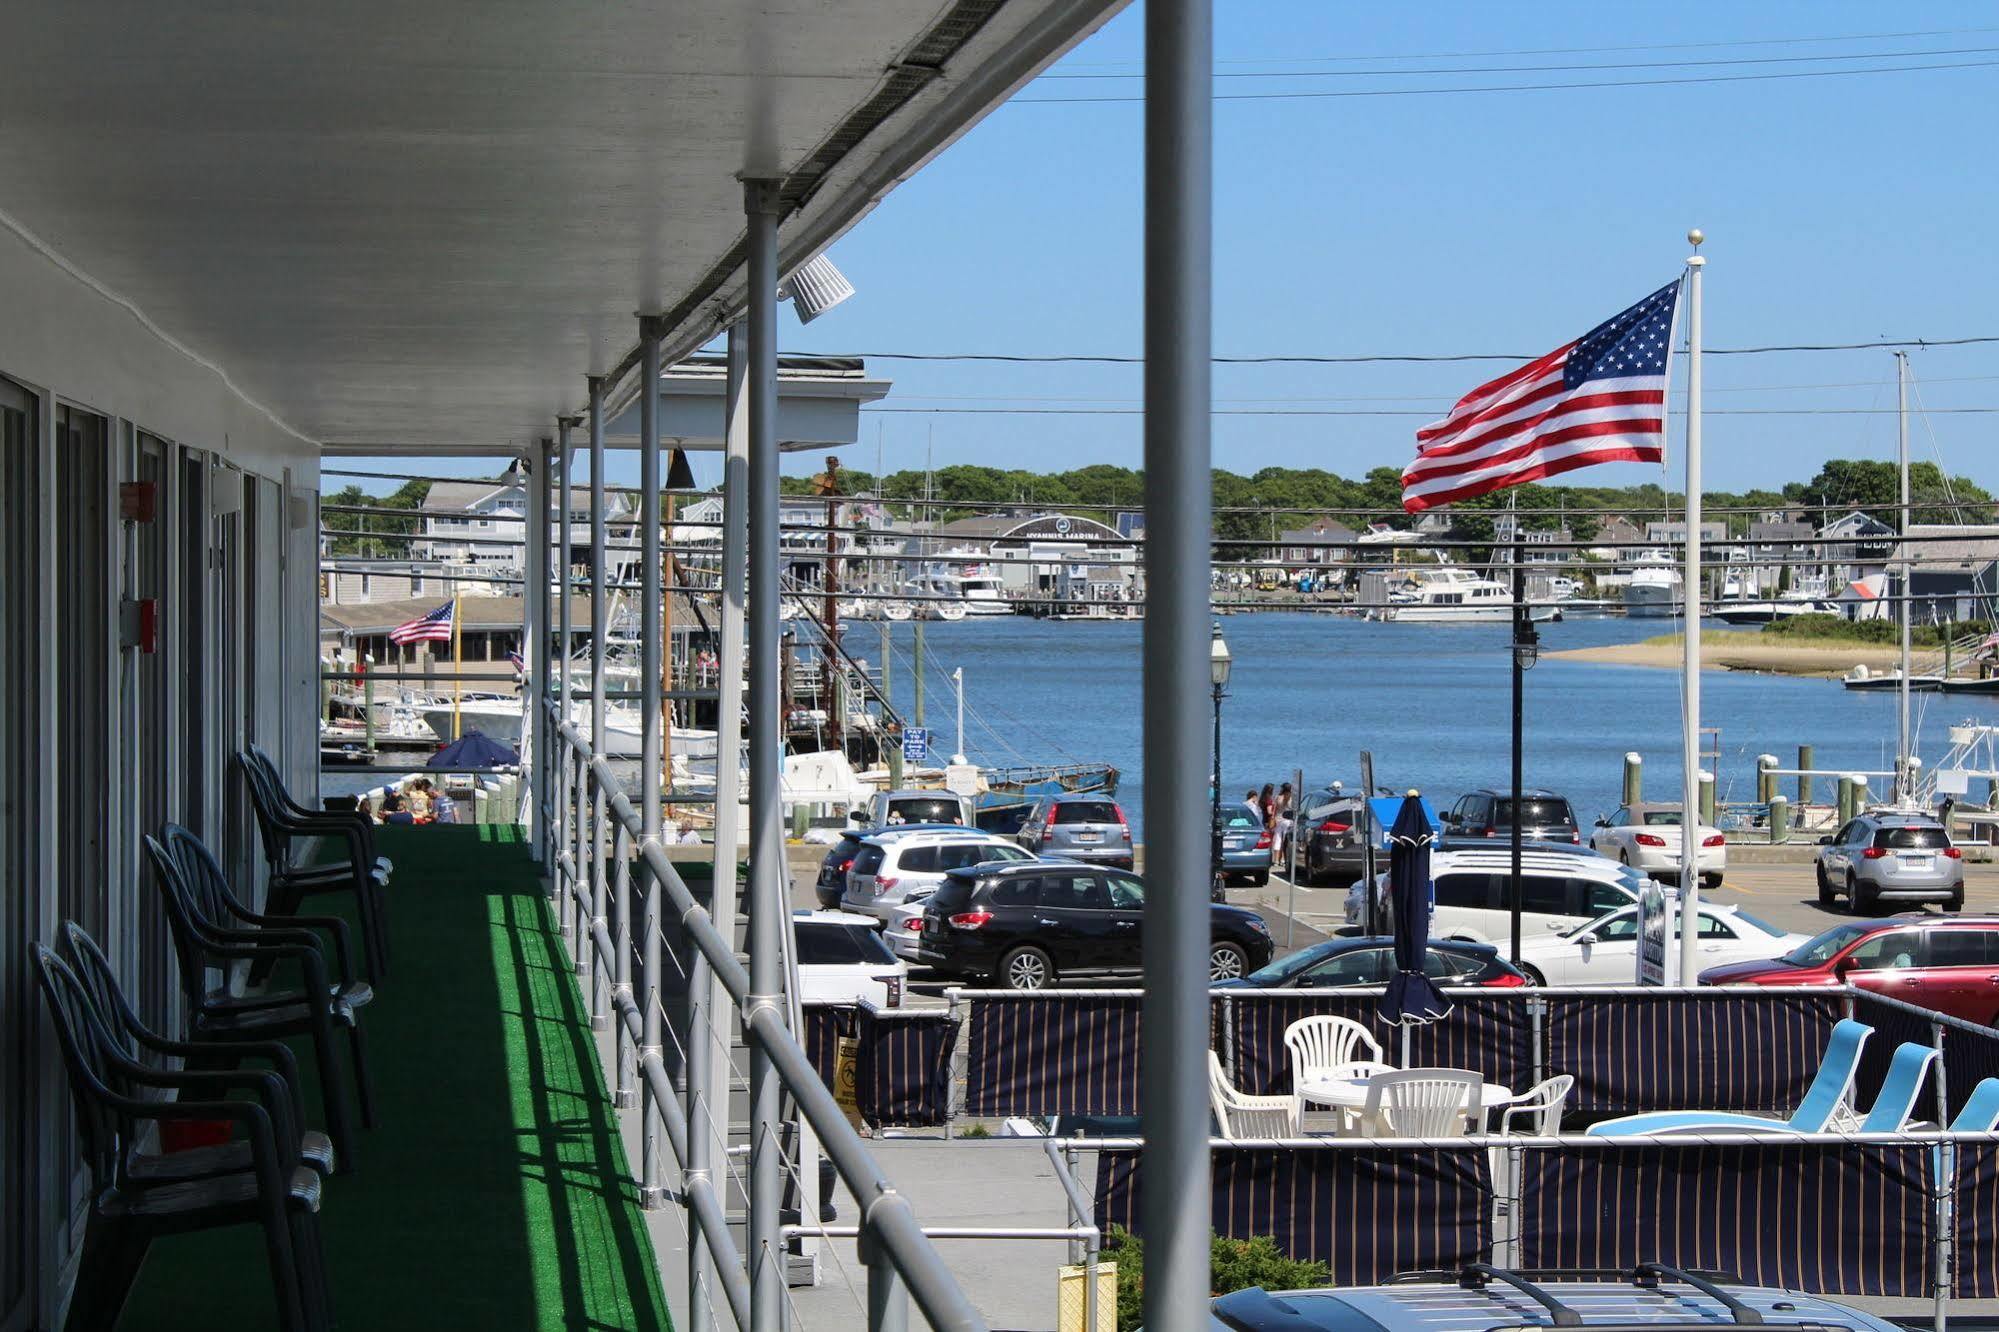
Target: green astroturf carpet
[{"x": 495, "y": 1194}]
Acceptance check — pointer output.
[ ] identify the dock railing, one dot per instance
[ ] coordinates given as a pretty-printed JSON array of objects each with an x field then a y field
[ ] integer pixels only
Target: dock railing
[{"x": 598, "y": 888}]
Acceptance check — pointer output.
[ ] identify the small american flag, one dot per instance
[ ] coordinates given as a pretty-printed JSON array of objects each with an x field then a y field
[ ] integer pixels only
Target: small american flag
[
  {"x": 1601, "y": 398},
  {"x": 432, "y": 628},
  {"x": 518, "y": 662}
]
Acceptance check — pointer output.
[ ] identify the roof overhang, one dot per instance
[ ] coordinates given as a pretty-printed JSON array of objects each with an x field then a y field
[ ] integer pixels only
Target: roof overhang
[{"x": 416, "y": 228}]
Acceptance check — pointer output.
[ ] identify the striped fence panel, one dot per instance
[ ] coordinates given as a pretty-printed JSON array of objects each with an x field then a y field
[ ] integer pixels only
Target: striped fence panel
[
  {"x": 825, "y": 1024},
  {"x": 1051, "y": 1054},
  {"x": 1367, "y": 1215},
  {"x": 1681, "y": 1049},
  {"x": 1975, "y": 1222},
  {"x": 1894, "y": 1025},
  {"x": 903, "y": 1070},
  {"x": 1494, "y": 1036},
  {"x": 1844, "y": 1218}
]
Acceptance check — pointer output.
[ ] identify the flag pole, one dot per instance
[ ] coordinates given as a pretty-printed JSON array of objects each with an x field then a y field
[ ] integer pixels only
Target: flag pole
[
  {"x": 457, "y": 669},
  {"x": 1690, "y": 721}
]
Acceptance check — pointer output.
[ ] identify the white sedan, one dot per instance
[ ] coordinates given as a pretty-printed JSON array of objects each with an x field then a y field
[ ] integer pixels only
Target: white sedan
[
  {"x": 1605, "y": 951},
  {"x": 842, "y": 960},
  {"x": 1647, "y": 838}
]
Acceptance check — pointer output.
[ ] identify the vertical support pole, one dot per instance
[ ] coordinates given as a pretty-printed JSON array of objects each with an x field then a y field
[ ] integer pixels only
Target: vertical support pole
[
  {"x": 534, "y": 651},
  {"x": 593, "y": 968},
  {"x": 767, "y": 915},
  {"x": 1523, "y": 634},
  {"x": 1805, "y": 759},
  {"x": 1690, "y": 666},
  {"x": 888, "y": 1304},
  {"x": 1937, "y": 1075},
  {"x": 626, "y": 1094},
  {"x": 1945, "y": 1250},
  {"x": 1904, "y": 782},
  {"x": 652, "y": 1190},
  {"x": 1179, "y": 257},
  {"x": 565, "y": 540},
  {"x": 709, "y": 1003}
]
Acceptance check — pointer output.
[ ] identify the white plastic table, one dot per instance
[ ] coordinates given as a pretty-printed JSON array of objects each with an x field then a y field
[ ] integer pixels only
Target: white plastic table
[{"x": 1351, "y": 1094}]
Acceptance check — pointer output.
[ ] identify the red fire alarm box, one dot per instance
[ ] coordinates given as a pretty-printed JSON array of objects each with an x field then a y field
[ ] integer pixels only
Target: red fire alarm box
[{"x": 137, "y": 501}]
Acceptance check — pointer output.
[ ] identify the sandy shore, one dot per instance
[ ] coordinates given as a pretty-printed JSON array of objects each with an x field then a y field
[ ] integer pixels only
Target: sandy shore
[{"x": 1743, "y": 652}]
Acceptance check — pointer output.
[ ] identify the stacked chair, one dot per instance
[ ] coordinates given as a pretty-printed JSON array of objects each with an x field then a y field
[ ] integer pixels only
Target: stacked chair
[{"x": 231, "y": 1082}]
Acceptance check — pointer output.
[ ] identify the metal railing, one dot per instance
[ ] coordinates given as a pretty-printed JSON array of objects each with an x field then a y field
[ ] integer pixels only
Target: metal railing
[{"x": 593, "y": 829}]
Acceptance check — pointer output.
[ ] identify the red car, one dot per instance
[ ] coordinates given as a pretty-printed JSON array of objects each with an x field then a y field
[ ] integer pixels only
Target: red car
[{"x": 1951, "y": 965}]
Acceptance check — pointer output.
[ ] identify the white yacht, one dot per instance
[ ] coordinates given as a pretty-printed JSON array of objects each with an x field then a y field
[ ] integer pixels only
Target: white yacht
[
  {"x": 1449, "y": 595},
  {"x": 1654, "y": 590},
  {"x": 984, "y": 594},
  {"x": 499, "y": 718}
]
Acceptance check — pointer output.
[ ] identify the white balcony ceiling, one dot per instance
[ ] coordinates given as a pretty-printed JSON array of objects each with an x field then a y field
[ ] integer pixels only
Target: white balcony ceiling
[{"x": 415, "y": 225}]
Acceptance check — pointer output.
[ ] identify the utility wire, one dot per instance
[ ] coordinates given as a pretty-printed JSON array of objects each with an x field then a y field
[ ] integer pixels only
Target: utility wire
[
  {"x": 1068, "y": 358},
  {"x": 1558, "y": 69}
]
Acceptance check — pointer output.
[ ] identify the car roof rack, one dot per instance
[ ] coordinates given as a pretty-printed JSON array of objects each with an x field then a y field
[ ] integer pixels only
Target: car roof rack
[
  {"x": 1648, "y": 1275},
  {"x": 1474, "y": 1275}
]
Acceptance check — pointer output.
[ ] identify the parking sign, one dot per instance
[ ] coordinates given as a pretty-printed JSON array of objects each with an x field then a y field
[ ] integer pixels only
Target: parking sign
[{"x": 915, "y": 744}]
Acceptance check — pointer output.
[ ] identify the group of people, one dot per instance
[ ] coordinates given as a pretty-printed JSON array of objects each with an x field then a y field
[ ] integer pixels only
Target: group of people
[
  {"x": 424, "y": 802},
  {"x": 1273, "y": 804}
]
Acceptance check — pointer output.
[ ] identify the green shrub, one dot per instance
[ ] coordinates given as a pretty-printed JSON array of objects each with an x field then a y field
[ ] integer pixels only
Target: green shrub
[
  {"x": 1233, "y": 1264},
  {"x": 1838, "y": 628}
]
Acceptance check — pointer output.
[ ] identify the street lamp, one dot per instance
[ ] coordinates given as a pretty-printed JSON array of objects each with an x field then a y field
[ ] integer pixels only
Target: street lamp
[{"x": 1218, "y": 670}]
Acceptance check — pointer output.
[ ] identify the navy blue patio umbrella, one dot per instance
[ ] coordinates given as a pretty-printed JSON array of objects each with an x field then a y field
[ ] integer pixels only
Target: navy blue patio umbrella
[
  {"x": 474, "y": 749},
  {"x": 1411, "y": 997}
]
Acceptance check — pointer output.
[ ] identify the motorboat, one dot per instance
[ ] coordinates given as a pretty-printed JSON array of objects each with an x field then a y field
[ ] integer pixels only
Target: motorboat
[
  {"x": 499, "y": 718},
  {"x": 984, "y": 594},
  {"x": 1654, "y": 591},
  {"x": 1860, "y": 677},
  {"x": 1449, "y": 595},
  {"x": 1768, "y": 611}
]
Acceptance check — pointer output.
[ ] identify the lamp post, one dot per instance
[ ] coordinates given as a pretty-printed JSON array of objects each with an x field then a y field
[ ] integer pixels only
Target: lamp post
[
  {"x": 1218, "y": 670},
  {"x": 1526, "y": 651}
]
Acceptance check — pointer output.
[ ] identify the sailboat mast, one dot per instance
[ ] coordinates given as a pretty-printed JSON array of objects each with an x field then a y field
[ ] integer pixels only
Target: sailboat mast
[{"x": 1904, "y": 783}]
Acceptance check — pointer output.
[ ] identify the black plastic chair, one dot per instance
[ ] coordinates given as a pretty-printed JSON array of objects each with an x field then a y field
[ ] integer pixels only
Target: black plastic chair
[
  {"x": 135, "y": 1040},
  {"x": 201, "y": 916},
  {"x": 113, "y": 1097},
  {"x": 280, "y": 819}
]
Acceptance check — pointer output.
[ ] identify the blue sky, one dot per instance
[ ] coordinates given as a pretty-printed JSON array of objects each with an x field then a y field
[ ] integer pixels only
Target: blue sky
[{"x": 1837, "y": 209}]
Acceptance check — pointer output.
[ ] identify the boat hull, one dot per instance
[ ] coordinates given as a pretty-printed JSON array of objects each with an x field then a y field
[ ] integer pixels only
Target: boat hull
[{"x": 1651, "y": 601}]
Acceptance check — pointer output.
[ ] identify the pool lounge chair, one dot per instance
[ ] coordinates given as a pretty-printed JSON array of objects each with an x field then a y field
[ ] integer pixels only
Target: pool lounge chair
[
  {"x": 1823, "y": 1107},
  {"x": 1896, "y": 1100}
]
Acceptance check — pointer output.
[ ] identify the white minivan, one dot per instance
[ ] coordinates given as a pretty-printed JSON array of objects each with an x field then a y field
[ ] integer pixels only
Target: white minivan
[
  {"x": 891, "y": 868},
  {"x": 1559, "y": 890}
]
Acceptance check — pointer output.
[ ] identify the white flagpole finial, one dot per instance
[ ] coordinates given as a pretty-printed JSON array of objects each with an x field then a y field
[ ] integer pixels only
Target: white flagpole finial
[{"x": 1695, "y": 237}]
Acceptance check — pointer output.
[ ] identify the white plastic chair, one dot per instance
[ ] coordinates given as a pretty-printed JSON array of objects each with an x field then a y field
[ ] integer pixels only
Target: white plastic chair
[
  {"x": 1541, "y": 1105},
  {"x": 1239, "y": 1116},
  {"x": 1423, "y": 1103}
]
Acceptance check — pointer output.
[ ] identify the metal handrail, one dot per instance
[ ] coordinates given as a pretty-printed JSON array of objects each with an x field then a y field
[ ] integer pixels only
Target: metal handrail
[{"x": 888, "y": 1221}]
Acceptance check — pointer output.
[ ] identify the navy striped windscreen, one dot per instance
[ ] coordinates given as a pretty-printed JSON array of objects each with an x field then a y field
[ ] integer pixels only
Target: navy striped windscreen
[
  {"x": 1843, "y": 1218},
  {"x": 825, "y": 1024},
  {"x": 1367, "y": 1214},
  {"x": 1975, "y": 1222},
  {"x": 1493, "y": 1036},
  {"x": 1893, "y": 1026},
  {"x": 902, "y": 1073},
  {"x": 1677, "y": 1050},
  {"x": 1053, "y": 1055}
]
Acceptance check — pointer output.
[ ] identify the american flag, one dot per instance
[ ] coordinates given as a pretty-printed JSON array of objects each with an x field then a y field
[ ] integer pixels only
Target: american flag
[
  {"x": 432, "y": 628},
  {"x": 1601, "y": 398},
  {"x": 518, "y": 662}
]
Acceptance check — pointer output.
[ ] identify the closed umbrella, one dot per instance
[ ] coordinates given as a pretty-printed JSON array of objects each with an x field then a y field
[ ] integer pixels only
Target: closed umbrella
[
  {"x": 1411, "y": 997},
  {"x": 474, "y": 749}
]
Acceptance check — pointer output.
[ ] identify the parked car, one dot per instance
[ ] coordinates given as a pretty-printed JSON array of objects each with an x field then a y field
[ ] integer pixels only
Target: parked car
[
  {"x": 1444, "y": 1302},
  {"x": 1078, "y": 827},
  {"x": 831, "y": 886},
  {"x": 1605, "y": 951},
  {"x": 1245, "y": 844},
  {"x": 1558, "y": 891},
  {"x": 1025, "y": 926},
  {"x": 905, "y": 925},
  {"x": 1347, "y": 962},
  {"x": 1545, "y": 816},
  {"x": 894, "y": 863},
  {"x": 1891, "y": 857},
  {"x": 1646, "y": 836},
  {"x": 891, "y": 809},
  {"x": 1949, "y": 965},
  {"x": 1333, "y": 828},
  {"x": 841, "y": 960}
]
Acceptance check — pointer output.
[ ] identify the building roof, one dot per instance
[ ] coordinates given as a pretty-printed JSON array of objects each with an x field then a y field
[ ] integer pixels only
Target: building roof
[
  {"x": 1951, "y": 549},
  {"x": 478, "y": 614},
  {"x": 1325, "y": 529},
  {"x": 1786, "y": 530}
]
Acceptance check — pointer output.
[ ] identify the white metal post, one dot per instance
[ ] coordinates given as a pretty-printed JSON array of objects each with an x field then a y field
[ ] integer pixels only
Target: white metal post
[
  {"x": 767, "y": 915},
  {"x": 1690, "y": 681},
  {"x": 1179, "y": 169},
  {"x": 599, "y": 540},
  {"x": 1904, "y": 785},
  {"x": 534, "y": 652},
  {"x": 652, "y": 1191},
  {"x": 958, "y": 679},
  {"x": 572, "y": 802}
]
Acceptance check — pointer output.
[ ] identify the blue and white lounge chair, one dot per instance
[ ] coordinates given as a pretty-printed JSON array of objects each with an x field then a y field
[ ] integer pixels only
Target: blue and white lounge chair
[
  {"x": 1980, "y": 1112},
  {"x": 1896, "y": 1100},
  {"x": 1824, "y": 1103}
]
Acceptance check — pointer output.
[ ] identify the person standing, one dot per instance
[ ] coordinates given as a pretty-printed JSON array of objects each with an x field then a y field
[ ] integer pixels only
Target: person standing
[
  {"x": 1282, "y": 843},
  {"x": 1266, "y": 805}
]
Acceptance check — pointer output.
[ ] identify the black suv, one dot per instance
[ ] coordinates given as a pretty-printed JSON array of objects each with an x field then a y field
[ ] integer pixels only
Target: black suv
[
  {"x": 1546, "y": 817},
  {"x": 1333, "y": 828},
  {"x": 1024, "y": 924}
]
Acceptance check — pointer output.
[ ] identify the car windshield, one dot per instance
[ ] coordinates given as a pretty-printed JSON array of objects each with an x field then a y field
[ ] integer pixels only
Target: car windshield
[
  {"x": 925, "y": 809},
  {"x": 1911, "y": 839},
  {"x": 1284, "y": 968},
  {"x": 1536, "y": 811},
  {"x": 1819, "y": 949},
  {"x": 834, "y": 943},
  {"x": 1086, "y": 811}
]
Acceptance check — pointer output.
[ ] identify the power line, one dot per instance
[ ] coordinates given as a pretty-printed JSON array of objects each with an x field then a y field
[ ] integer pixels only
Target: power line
[
  {"x": 1071, "y": 358},
  {"x": 1361, "y": 411},
  {"x": 1557, "y": 69},
  {"x": 1532, "y": 87}
]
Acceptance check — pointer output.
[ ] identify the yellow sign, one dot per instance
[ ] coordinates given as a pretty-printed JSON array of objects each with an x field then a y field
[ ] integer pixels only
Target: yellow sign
[
  {"x": 846, "y": 1063},
  {"x": 1071, "y": 1314}
]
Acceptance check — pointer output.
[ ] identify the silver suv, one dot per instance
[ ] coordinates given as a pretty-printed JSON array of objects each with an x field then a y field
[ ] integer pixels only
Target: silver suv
[
  {"x": 1890, "y": 857},
  {"x": 1078, "y": 827}
]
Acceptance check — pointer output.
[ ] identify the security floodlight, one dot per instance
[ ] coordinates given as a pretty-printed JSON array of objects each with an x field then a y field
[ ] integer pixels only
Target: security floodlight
[{"x": 815, "y": 288}]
